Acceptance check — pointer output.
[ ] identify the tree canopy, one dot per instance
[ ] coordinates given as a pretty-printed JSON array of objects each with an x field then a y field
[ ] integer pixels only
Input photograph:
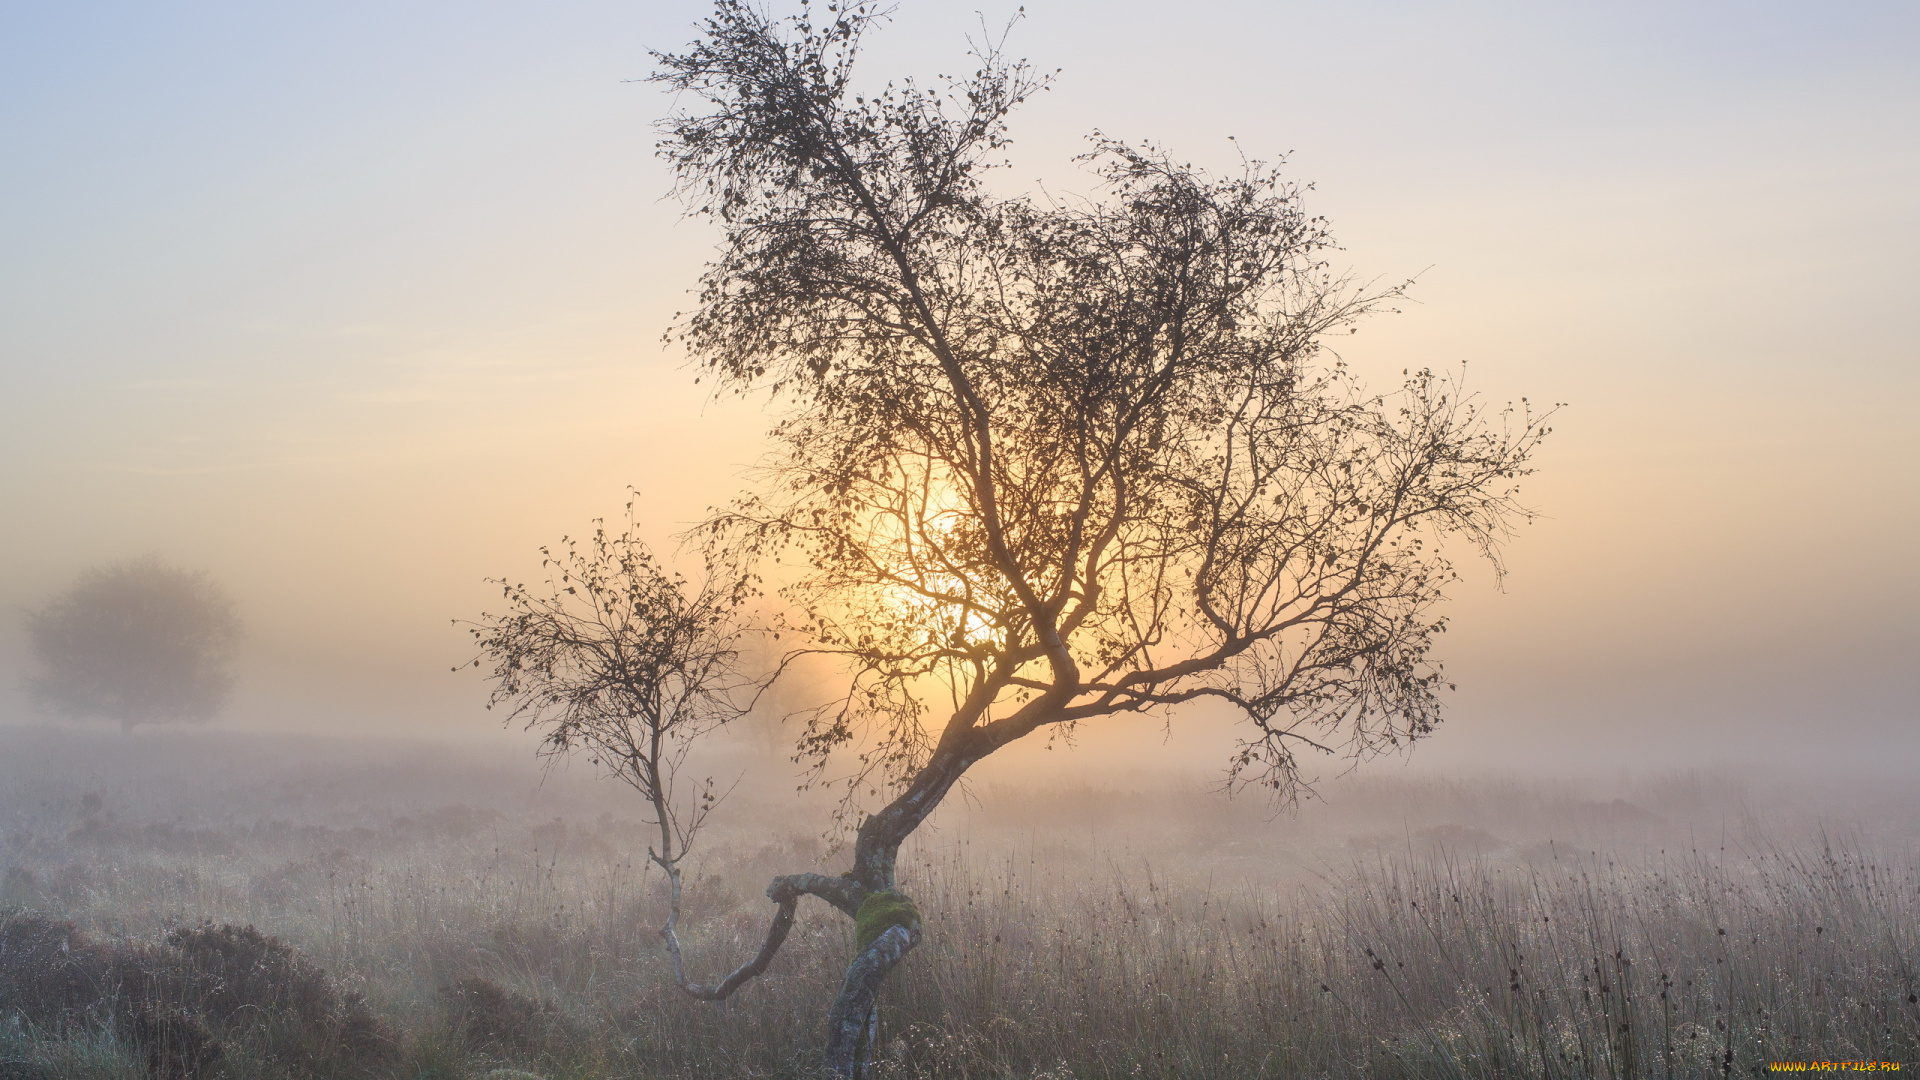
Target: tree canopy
[
  {"x": 1047, "y": 461},
  {"x": 615, "y": 657},
  {"x": 139, "y": 642},
  {"x": 1040, "y": 462}
]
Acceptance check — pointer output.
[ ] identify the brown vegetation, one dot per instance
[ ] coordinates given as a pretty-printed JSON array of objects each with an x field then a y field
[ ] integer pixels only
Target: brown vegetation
[
  {"x": 178, "y": 1004},
  {"x": 491, "y": 1017},
  {"x": 1401, "y": 930}
]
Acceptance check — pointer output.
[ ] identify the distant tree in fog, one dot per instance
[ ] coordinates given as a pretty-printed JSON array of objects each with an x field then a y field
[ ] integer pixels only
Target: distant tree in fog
[
  {"x": 1046, "y": 463},
  {"x": 139, "y": 642}
]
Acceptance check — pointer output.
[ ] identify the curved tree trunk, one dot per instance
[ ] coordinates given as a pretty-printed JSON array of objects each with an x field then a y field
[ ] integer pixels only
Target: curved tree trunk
[
  {"x": 850, "y": 1022},
  {"x": 878, "y": 844}
]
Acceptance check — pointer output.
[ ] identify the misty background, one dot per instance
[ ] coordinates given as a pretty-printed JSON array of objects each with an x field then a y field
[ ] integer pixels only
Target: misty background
[{"x": 356, "y": 306}]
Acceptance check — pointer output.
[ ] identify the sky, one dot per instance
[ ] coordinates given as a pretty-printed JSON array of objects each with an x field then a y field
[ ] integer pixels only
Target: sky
[{"x": 355, "y": 305}]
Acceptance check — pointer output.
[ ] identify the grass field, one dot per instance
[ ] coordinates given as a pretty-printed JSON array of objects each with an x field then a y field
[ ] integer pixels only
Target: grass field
[{"x": 1667, "y": 927}]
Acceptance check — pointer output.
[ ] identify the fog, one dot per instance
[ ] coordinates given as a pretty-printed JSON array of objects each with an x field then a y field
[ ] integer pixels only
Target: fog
[
  {"x": 354, "y": 308},
  {"x": 483, "y": 914},
  {"x": 357, "y": 790}
]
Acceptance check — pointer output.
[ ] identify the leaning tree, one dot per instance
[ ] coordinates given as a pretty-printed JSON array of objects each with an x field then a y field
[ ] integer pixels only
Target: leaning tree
[
  {"x": 1044, "y": 463},
  {"x": 140, "y": 642}
]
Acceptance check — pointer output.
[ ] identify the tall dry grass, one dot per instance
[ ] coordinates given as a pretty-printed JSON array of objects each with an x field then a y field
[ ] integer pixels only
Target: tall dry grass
[
  {"x": 1418, "y": 965},
  {"x": 1201, "y": 950}
]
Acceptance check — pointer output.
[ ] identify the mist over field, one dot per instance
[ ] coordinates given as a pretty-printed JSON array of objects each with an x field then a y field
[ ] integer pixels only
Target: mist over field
[
  {"x": 66, "y": 790},
  {"x": 1084, "y": 925},
  {"x": 321, "y": 329},
  {"x": 355, "y": 309}
]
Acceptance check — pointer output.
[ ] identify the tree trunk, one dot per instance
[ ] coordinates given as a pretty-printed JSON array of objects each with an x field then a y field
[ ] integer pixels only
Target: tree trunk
[
  {"x": 875, "y": 853},
  {"x": 852, "y": 1022},
  {"x": 853, "y": 1010}
]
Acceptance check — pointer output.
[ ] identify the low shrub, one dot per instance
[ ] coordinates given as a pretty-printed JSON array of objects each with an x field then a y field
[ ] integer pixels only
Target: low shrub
[
  {"x": 178, "y": 1003},
  {"x": 50, "y": 974},
  {"x": 491, "y": 1017}
]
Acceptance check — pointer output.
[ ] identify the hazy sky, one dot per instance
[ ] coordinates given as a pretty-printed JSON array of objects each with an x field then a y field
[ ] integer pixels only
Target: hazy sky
[{"x": 356, "y": 304}]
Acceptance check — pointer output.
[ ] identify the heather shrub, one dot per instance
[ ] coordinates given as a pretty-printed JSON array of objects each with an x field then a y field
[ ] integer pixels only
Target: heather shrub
[
  {"x": 490, "y": 1017},
  {"x": 171, "y": 1042},
  {"x": 249, "y": 986},
  {"x": 50, "y": 973},
  {"x": 183, "y": 1005}
]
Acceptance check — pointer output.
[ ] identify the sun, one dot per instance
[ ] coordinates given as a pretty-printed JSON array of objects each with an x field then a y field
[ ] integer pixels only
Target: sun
[{"x": 925, "y": 544}]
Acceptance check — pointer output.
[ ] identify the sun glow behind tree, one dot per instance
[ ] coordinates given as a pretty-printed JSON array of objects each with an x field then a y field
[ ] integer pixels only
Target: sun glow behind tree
[
  {"x": 1054, "y": 463},
  {"x": 1073, "y": 461}
]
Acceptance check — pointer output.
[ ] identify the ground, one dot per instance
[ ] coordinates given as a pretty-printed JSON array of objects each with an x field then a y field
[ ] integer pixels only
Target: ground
[{"x": 1651, "y": 925}]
